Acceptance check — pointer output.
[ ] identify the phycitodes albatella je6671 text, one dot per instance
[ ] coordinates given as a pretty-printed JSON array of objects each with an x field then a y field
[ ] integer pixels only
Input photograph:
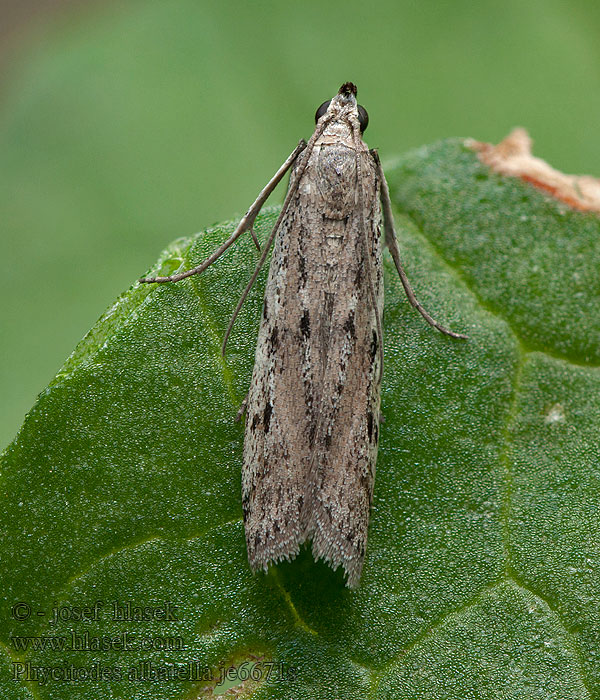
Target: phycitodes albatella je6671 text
[{"x": 312, "y": 412}]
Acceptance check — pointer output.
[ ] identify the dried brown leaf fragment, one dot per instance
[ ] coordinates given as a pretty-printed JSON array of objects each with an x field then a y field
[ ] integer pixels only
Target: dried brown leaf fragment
[{"x": 513, "y": 157}]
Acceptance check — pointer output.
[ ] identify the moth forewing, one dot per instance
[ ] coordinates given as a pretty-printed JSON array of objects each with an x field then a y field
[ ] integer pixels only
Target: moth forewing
[
  {"x": 345, "y": 455},
  {"x": 312, "y": 412},
  {"x": 312, "y": 423}
]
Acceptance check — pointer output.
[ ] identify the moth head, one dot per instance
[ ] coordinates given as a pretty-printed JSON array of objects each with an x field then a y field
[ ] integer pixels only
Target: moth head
[{"x": 345, "y": 102}]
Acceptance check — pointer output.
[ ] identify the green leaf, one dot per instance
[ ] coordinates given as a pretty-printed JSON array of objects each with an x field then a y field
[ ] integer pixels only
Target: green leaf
[{"x": 481, "y": 578}]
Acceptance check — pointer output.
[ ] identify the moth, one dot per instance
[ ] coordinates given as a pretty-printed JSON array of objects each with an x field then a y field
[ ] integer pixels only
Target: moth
[{"x": 312, "y": 411}]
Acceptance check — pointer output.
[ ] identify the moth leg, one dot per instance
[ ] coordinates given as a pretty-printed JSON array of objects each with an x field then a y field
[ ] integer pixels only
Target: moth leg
[
  {"x": 254, "y": 238},
  {"x": 242, "y": 409},
  {"x": 246, "y": 223},
  {"x": 392, "y": 244}
]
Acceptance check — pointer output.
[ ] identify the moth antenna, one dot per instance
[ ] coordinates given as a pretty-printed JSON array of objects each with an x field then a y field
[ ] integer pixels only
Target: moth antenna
[
  {"x": 392, "y": 244},
  {"x": 308, "y": 147},
  {"x": 246, "y": 223},
  {"x": 369, "y": 262}
]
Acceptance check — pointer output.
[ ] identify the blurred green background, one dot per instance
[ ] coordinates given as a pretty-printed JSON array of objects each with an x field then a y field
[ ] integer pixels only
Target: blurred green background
[{"x": 123, "y": 126}]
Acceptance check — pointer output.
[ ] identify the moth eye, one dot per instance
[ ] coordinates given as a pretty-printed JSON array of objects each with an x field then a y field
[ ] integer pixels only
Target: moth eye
[
  {"x": 321, "y": 111},
  {"x": 363, "y": 119}
]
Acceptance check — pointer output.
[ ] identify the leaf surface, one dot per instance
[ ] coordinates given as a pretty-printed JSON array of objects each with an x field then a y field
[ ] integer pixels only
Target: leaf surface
[{"x": 481, "y": 578}]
